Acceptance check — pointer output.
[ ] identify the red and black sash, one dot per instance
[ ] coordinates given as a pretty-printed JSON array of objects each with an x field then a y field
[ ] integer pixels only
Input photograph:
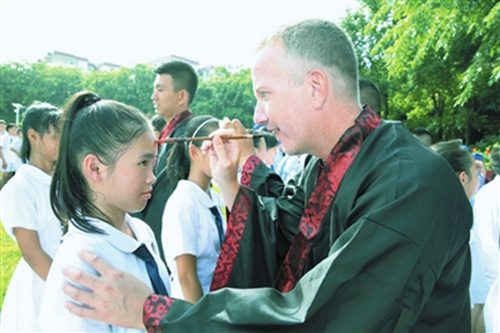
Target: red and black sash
[
  {"x": 327, "y": 184},
  {"x": 176, "y": 120},
  {"x": 328, "y": 181}
]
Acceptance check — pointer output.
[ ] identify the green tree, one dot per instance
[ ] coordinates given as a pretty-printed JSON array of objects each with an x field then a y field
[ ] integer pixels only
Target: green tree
[
  {"x": 441, "y": 59},
  {"x": 226, "y": 93},
  {"x": 132, "y": 86},
  {"x": 26, "y": 83}
]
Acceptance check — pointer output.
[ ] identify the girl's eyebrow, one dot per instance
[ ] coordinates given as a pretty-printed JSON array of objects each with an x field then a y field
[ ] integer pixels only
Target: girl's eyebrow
[{"x": 147, "y": 155}]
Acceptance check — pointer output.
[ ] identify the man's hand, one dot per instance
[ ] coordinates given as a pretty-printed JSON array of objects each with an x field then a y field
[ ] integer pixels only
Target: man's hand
[
  {"x": 224, "y": 161},
  {"x": 245, "y": 146},
  {"x": 115, "y": 297}
]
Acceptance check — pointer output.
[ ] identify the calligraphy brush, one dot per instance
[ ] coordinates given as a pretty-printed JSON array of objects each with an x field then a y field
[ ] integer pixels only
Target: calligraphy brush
[{"x": 204, "y": 138}]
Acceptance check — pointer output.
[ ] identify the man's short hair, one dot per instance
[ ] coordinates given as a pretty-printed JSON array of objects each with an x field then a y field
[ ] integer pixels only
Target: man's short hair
[
  {"x": 320, "y": 44},
  {"x": 183, "y": 76}
]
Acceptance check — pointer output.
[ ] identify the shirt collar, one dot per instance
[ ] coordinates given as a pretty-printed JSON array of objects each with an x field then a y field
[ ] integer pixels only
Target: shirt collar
[{"x": 117, "y": 238}]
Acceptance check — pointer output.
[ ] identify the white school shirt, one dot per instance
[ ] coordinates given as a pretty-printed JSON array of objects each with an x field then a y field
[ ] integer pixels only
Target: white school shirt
[
  {"x": 8, "y": 155},
  {"x": 116, "y": 248},
  {"x": 486, "y": 228},
  {"x": 17, "y": 143},
  {"x": 188, "y": 227},
  {"x": 25, "y": 203}
]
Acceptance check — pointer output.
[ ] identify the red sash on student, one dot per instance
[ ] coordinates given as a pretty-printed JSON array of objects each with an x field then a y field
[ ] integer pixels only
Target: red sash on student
[
  {"x": 176, "y": 120},
  {"x": 328, "y": 181}
]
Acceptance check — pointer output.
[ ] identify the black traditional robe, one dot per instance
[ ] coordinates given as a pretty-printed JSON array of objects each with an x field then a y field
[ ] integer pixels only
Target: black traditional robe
[{"x": 392, "y": 253}]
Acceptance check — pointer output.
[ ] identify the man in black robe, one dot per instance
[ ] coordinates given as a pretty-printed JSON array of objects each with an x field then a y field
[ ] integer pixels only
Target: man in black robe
[{"x": 373, "y": 235}]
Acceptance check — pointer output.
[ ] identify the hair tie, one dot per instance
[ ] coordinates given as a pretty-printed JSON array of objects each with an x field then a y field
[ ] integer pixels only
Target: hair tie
[
  {"x": 202, "y": 125},
  {"x": 88, "y": 101}
]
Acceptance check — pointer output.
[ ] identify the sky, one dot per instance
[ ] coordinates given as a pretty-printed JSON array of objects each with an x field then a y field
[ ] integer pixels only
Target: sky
[{"x": 218, "y": 33}]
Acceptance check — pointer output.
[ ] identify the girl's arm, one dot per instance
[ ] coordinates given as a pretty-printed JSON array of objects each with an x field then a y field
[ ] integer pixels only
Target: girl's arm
[
  {"x": 18, "y": 153},
  {"x": 188, "y": 278},
  {"x": 32, "y": 252}
]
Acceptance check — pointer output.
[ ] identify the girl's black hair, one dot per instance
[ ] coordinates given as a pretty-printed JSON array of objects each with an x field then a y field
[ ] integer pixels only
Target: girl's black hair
[
  {"x": 459, "y": 158},
  {"x": 90, "y": 125},
  {"x": 179, "y": 163},
  {"x": 42, "y": 118}
]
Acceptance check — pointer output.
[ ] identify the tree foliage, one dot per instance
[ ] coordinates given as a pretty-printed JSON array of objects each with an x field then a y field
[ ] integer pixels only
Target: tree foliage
[
  {"x": 26, "y": 83},
  {"x": 132, "y": 86},
  {"x": 436, "y": 61},
  {"x": 225, "y": 93}
]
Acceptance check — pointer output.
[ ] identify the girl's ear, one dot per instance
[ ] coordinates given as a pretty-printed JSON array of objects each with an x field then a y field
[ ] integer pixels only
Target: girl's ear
[
  {"x": 92, "y": 168},
  {"x": 32, "y": 136},
  {"x": 192, "y": 151}
]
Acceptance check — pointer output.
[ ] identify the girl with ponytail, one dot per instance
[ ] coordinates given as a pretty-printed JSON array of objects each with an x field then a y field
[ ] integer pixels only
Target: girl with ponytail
[
  {"x": 193, "y": 226},
  {"x": 104, "y": 172},
  {"x": 28, "y": 219}
]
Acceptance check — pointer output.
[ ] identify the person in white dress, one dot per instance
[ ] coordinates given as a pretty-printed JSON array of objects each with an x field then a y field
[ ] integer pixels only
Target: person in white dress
[
  {"x": 15, "y": 147},
  {"x": 104, "y": 171},
  {"x": 6, "y": 155},
  {"x": 487, "y": 232},
  {"x": 28, "y": 219},
  {"x": 191, "y": 237}
]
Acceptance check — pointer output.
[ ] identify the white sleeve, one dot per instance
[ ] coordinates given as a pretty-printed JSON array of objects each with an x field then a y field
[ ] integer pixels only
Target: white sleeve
[
  {"x": 18, "y": 208},
  {"x": 486, "y": 230},
  {"x": 53, "y": 314},
  {"x": 180, "y": 228}
]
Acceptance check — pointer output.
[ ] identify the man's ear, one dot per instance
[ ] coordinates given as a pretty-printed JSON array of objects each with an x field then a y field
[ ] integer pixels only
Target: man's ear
[
  {"x": 92, "y": 168},
  {"x": 183, "y": 96},
  {"x": 318, "y": 83}
]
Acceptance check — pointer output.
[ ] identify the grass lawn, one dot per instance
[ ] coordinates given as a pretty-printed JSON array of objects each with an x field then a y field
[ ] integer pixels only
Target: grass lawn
[{"x": 9, "y": 256}]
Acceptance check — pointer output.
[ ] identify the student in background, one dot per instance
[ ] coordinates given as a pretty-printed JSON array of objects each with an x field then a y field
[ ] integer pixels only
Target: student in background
[
  {"x": 15, "y": 147},
  {"x": 193, "y": 227},
  {"x": 174, "y": 89},
  {"x": 6, "y": 155},
  {"x": 28, "y": 219},
  {"x": 158, "y": 123},
  {"x": 487, "y": 231},
  {"x": 462, "y": 162},
  {"x": 422, "y": 134},
  {"x": 266, "y": 147},
  {"x": 369, "y": 94}
]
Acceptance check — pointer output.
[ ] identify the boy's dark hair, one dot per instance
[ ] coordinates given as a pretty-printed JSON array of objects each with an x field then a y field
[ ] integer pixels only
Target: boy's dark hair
[
  {"x": 459, "y": 158},
  {"x": 268, "y": 138},
  {"x": 158, "y": 122},
  {"x": 183, "y": 76}
]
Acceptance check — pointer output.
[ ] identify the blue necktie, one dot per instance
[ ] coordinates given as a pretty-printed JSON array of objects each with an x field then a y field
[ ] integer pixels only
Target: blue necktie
[
  {"x": 158, "y": 285},
  {"x": 218, "y": 223}
]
